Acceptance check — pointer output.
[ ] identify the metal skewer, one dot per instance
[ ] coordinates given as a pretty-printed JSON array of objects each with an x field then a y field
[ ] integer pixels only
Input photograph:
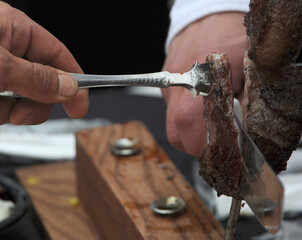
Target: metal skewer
[{"x": 233, "y": 219}]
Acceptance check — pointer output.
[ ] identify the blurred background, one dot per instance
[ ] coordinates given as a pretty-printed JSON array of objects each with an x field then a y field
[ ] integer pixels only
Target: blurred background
[
  {"x": 114, "y": 37},
  {"x": 108, "y": 37}
]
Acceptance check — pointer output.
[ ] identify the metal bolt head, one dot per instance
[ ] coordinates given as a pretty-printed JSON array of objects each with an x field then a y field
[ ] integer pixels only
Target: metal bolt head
[
  {"x": 125, "y": 147},
  {"x": 168, "y": 205}
]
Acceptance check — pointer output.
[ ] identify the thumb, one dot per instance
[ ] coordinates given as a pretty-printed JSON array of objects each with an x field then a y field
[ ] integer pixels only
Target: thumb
[{"x": 38, "y": 82}]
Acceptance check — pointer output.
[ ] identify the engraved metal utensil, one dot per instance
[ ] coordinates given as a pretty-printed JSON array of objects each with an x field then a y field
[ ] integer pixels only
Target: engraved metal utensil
[{"x": 198, "y": 80}]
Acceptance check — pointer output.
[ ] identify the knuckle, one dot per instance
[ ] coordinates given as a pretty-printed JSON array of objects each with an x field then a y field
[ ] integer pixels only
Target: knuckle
[
  {"x": 13, "y": 28},
  {"x": 5, "y": 8},
  {"x": 8, "y": 11}
]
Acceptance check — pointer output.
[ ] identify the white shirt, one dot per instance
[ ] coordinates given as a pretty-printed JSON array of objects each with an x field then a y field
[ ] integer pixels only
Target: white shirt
[{"x": 185, "y": 12}]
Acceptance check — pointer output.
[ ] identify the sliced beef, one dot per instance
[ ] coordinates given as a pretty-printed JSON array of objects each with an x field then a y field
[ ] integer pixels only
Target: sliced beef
[
  {"x": 273, "y": 83},
  {"x": 220, "y": 160},
  {"x": 272, "y": 106},
  {"x": 274, "y": 32}
]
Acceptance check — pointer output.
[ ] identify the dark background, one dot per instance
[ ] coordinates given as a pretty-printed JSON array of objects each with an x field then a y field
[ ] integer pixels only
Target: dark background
[
  {"x": 106, "y": 37},
  {"x": 113, "y": 37},
  {"x": 110, "y": 37}
]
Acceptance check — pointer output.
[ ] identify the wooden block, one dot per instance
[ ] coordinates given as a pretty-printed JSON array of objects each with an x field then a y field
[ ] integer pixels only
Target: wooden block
[
  {"x": 52, "y": 189},
  {"x": 116, "y": 192}
]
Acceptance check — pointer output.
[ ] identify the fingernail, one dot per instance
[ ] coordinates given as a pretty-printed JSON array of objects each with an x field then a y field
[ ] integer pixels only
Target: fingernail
[
  {"x": 67, "y": 86},
  {"x": 28, "y": 120}
]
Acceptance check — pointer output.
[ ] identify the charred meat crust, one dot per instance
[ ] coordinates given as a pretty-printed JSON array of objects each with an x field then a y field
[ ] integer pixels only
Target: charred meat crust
[
  {"x": 220, "y": 163},
  {"x": 272, "y": 107},
  {"x": 272, "y": 111},
  {"x": 274, "y": 30},
  {"x": 273, "y": 83}
]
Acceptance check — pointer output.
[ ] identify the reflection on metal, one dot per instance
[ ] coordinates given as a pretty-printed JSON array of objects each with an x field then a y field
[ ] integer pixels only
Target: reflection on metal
[
  {"x": 262, "y": 204},
  {"x": 259, "y": 185},
  {"x": 198, "y": 80},
  {"x": 168, "y": 205},
  {"x": 125, "y": 147}
]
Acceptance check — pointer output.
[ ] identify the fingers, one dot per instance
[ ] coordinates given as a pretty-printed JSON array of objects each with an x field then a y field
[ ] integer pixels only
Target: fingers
[
  {"x": 44, "y": 48},
  {"x": 29, "y": 59},
  {"x": 186, "y": 127},
  {"x": 222, "y": 33},
  {"x": 26, "y": 39},
  {"x": 6, "y": 104},
  {"x": 78, "y": 106},
  {"x": 33, "y": 80},
  {"x": 24, "y": 111},
  {"x": 27, "y": 112},
  {"x": 172, "y": 132},
  {"x": 41, "y": 84}
]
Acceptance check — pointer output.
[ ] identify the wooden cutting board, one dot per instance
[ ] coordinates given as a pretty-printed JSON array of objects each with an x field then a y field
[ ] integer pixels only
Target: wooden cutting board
[
  {"x": 116, "y": 192},
  {"x": 52, "y": 188}
]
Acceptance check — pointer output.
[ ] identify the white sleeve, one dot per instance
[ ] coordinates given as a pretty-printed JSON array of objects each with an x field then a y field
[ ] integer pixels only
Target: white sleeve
[{"x": 185, "y": 12}]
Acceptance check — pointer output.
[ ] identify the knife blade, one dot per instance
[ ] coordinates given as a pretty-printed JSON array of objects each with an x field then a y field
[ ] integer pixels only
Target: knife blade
[{"x": 259, "y": 185}]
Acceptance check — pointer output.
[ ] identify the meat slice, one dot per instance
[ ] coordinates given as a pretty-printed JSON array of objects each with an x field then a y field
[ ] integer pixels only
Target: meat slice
[
  {"x": 220, "y": 163},
  {"x": 272, "y": 106},
  {"x": 273, "y": 83},
  {"x": 274, "y": 32}
]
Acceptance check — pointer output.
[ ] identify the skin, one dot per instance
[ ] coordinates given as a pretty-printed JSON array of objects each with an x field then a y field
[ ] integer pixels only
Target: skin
[
  {"x": 30, "y": 59},
  {"x": 222, "y": 33}
]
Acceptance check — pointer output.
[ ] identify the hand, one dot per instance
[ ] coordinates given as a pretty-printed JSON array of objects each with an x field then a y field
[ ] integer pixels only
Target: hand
[
  {"x": 221, "y": 33},
  {"x": 29, "y": 61}
]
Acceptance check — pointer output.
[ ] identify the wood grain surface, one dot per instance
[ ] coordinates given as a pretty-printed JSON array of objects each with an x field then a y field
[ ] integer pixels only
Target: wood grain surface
[
  {"x": 52, "y": 189},
  {"x": 116, "y": 192}
]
